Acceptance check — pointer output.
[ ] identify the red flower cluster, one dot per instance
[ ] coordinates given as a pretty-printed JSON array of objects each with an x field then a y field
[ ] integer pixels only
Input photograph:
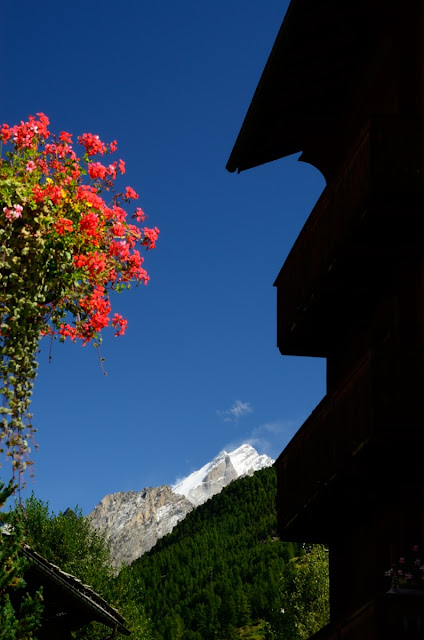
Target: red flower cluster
[
  {"x": 91, "y": 240},
  {"x": 63, "y": 225},
  {"x": 93, "y": 145},
  {"x": 120, "y": 324},
  {"x": 23, "y": 134},
  {"x": 150, "y": 237}
]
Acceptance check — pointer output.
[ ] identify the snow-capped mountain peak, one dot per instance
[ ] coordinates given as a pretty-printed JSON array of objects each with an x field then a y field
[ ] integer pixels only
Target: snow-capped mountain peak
[
  {"x": 202, "y": 484},
  {"x": 246, "y": 460}
]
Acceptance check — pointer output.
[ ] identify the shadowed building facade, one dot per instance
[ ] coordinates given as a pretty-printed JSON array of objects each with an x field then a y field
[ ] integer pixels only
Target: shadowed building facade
[{"x": 344, "y": 85}]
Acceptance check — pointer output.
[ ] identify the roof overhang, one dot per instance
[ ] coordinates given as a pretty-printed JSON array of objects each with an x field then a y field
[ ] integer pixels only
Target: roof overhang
[
  {"x": 308, "y": 80},
  {"x": 68, "y": 601}
]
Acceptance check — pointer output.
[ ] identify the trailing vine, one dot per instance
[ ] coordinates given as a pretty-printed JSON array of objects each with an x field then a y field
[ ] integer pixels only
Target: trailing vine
[{"x": 62, "y": 250}]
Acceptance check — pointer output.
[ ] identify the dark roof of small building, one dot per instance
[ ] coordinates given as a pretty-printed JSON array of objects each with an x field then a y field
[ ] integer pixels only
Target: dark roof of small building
[
  {"x": 73, "y": 590},
  {"x": 68, "y": 603}
]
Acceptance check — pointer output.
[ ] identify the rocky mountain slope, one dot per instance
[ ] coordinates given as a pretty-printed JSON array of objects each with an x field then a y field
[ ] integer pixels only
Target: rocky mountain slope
[{"x": 134, "y": 521}]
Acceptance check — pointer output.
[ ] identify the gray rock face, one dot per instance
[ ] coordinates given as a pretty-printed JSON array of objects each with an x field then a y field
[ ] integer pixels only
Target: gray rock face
[
  {"x": 213, "y": 482},
  {"x": 134, "y": 521}
]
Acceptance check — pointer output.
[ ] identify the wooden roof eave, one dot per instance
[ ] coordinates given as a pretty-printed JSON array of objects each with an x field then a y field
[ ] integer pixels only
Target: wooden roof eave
[
  {"x": 306, "y": 83},
  {"x": 101, "y": 610}
]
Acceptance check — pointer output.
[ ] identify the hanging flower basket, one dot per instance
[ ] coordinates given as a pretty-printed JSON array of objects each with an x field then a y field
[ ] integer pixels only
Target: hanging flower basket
[{"x": 65, "y": 243}]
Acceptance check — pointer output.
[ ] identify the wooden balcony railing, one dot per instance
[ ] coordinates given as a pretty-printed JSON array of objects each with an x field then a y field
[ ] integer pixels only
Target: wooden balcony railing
[
  {"x": 335, "y": 431},
  {"x": 378, "y": 408}
]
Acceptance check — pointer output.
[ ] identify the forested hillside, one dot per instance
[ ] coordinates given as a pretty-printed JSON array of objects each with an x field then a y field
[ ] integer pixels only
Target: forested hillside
[
  {"x": 219, "y": 569},
  {"x": 222, "y": 573}
]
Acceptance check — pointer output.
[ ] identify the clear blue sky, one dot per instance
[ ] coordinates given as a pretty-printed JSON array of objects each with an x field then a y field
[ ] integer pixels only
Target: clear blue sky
[{"x": 198, "y": 369}]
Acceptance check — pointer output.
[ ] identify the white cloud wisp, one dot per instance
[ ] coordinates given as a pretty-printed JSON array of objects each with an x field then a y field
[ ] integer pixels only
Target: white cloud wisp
[{"x": 236, "y": 411}]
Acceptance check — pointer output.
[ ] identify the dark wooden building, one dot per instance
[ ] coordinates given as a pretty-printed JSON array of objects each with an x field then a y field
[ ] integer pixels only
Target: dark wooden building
[{"x": 344, "y": 85}]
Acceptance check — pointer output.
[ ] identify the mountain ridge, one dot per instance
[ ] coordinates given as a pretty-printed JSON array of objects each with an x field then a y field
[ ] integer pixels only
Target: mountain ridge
[
  {"x": 210, "y": 479},
  {"x": 133, "y": 522}
]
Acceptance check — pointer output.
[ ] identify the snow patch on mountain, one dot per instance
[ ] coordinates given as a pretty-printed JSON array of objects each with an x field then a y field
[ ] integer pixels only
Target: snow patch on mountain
[{"x": 201, "y": 485}]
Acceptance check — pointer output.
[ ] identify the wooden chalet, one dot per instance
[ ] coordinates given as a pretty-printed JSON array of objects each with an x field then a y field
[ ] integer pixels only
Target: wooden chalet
[{"x": 344, "y": 85}]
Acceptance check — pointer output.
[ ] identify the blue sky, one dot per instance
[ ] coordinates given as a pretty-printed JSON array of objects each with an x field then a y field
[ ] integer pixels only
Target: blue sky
[{"x": 198, "y": 369}]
